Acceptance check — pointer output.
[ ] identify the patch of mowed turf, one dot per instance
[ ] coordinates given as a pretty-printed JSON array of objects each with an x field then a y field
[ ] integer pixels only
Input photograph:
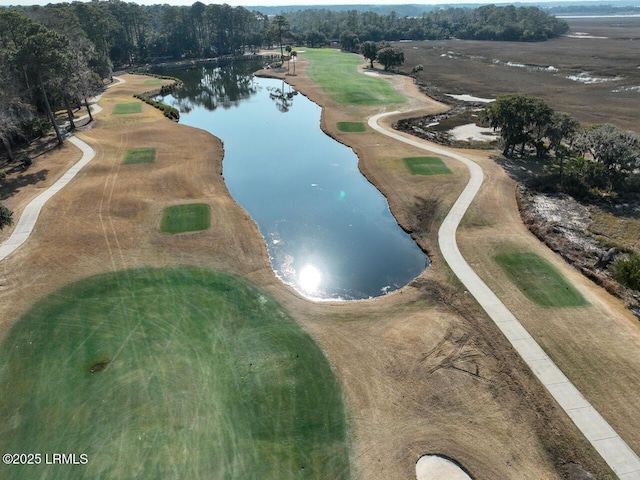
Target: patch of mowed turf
[
  {"x": 426, "y": 166},
  {"x": 351, "y": 127},
  {"x": 539, "y": 281},
  {"x": 169, "y": 373},
  {"x": 153, "y": 81},
  {"x": 336, "y": 72},
  {"x": 127, "y": 108},
  {"x": 192, "y": 217},
  {"x": 139, "y": 155}
]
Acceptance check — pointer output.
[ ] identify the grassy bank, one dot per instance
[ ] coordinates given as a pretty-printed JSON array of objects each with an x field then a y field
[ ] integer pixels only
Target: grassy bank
[
  {"x": 169, "y": 373},
  {"x": 336, "y": 72}
]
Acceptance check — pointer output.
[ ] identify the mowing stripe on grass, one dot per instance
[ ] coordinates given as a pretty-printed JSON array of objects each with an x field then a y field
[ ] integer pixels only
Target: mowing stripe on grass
[
  {"x": 169, "y": 373},
  {"x": 139, "y": 155},
  {"x": 351, "y": 127},
  {"x": 192, "y": 217},
  {"x": 127, "y": 108},
  {"x": 426, "y": 166},
  {"x": 539, "y": 281},
  {"x": 336, "y": 72}
]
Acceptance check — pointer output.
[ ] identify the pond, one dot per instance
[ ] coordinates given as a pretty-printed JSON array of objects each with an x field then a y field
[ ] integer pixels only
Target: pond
[{"x": 328, "y": 231}]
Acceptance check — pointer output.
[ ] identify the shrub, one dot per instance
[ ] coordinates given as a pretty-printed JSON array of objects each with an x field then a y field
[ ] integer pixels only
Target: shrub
[
  {"x": 627, "y": 271},
  {"x": 6, "y": 217}
]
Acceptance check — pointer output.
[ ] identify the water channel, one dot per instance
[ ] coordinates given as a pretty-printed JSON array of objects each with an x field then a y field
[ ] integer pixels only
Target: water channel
[{"x": 328, "y": 231}]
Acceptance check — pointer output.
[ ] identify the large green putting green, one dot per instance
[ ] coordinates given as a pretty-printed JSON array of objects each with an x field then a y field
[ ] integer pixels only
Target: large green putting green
[
  {"x": 336, "y": 72},
  {"x": 169, "y": 373},
  {"x": 192, "y": 217},
  {"x": 539, "y": 281}
]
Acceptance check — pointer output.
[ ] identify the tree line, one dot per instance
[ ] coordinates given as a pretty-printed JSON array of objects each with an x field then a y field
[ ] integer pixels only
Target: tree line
[
  {"x": 488, "y": 22},
  {"x": 581, "y": 160}
]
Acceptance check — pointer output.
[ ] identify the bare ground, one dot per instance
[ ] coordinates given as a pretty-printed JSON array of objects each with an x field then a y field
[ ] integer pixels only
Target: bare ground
[{"x": 423, "y": 370}]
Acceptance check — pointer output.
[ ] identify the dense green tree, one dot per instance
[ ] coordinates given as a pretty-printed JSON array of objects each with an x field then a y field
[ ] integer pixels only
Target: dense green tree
[
  {"x": 349, "y": 41},
  {"x": 369, "y": 51},
  {"x": 314, "y": 38},
  {"x": 390, "y": 57},
  {"x": 521, "y": 120},
  {"x": 615, "y": 153},
  {"x": 280, "y": 26}
]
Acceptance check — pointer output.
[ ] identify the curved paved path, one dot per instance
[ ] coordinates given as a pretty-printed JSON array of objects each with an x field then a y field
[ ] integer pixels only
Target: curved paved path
[
  {"x": 615, "y": 451},
  {"x": 31, "y": 212}
]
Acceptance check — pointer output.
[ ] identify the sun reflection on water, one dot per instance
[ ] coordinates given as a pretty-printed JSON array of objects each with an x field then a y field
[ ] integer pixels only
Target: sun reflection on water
[{"x": 310, "y": 278}]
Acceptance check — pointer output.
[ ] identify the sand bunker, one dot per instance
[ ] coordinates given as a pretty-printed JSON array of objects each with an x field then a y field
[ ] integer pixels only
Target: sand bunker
[
  {"x": 435, "y": 467},
  {"x": 471, "y": 131}
]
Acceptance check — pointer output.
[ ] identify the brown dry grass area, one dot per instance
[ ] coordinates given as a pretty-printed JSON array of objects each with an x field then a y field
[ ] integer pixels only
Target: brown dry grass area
[
  {"x": 597, "y": 347},
  {"x": 21, "y": 186},
  {"x": 480, "y": 68},
  {"x": 423, "y": 371}
]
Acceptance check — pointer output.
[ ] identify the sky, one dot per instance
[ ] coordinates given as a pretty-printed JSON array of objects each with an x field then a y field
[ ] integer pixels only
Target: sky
[{"x": 245, "y": 3}]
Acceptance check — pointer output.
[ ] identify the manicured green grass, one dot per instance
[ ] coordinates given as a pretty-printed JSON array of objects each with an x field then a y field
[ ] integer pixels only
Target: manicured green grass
[
  {"x": 352, "y": 127},
  {"x": 140, "y": 155},
  {"x": 153, "y": 81},
  {"x": 426, "y": 166},
  {"x": 127, "y": 108},
  {"x": 192, "y": 217},
  {"x": 539, "y": 281},
  {"x": 169, "y": 373},
  {"x": 336, "y": 72}
]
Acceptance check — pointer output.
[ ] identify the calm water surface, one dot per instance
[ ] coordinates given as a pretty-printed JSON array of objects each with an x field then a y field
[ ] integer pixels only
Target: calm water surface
[{"x": 329, "y": 232}]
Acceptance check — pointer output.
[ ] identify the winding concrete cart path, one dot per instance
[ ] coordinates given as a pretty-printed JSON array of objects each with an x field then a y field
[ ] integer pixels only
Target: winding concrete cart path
[{"x": 613, "y": 449}]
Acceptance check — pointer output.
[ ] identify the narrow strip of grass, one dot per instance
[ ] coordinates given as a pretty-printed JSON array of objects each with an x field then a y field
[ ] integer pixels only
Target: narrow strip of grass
[
  {"x": 336, "y": 72},
  {"x": 127, "y": 108},
  {"x": 169, "y": 373},
  {"x": 539, "y": 281},
  {"x": 139, "y": 155},
  {"x": 192, "y": 217},
  {"x": 153, "y": 81},
  {"x": 352, "y": 127},
  {"x": 426, "y": 166}
]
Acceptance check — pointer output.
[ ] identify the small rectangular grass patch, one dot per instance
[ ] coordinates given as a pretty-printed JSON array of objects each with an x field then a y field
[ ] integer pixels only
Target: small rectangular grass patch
[
  {"x": 426, "y": 166},
  {"x": 192, "y": 217},
  {"x": 127, "y": 108},
  {"x": 352, "y": 127},
  {"x": 153, "y": 81},
  {"x": 139, "y": 155},
  {"x": 539, "y": 281}
]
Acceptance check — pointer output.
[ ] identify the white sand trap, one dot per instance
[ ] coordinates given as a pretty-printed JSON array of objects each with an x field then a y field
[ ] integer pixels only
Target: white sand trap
[
  {"x": 471, "y": 131},
  {"x": 470, "y": 98},
  {"x": 435, "y": 467}
]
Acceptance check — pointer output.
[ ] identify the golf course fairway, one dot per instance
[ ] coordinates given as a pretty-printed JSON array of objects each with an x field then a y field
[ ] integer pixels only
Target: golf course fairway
[{"x": 169, "y": 373}]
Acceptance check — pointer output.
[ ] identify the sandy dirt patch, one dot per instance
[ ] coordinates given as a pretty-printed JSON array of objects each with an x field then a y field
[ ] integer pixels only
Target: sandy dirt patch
[{"x": 472, "y": 132}]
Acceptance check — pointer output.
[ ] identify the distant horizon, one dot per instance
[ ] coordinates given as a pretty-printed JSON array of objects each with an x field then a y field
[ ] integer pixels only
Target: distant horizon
[{"x": 324, "y": 3}]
